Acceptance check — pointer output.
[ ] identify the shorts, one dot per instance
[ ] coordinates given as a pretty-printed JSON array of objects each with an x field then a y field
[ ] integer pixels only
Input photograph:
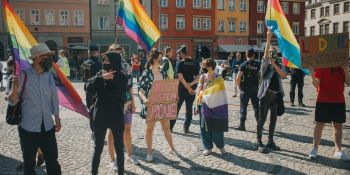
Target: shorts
[
  {"x": 330, "y": 112},
  {"x": 128, "y": 117}
]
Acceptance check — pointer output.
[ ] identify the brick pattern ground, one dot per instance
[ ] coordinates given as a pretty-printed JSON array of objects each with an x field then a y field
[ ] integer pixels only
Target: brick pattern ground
[{"x": 293, "y": 135}]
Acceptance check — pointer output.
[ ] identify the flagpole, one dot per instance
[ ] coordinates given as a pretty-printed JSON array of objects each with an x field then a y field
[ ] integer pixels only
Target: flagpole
[
  {"x": 115, "y": 20},
  {"x": 159, "y": 45}
]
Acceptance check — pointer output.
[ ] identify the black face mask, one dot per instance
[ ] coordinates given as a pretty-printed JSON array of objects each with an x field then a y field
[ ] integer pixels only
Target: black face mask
[
  {"x": 46, "y": 64},
  {"x": 205, "y": 70},
  {"x": 106, "y": 67}
]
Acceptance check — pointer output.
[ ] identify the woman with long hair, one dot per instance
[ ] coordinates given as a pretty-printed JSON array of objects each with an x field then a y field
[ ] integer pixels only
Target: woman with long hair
[{"x": 152, "y": 72}]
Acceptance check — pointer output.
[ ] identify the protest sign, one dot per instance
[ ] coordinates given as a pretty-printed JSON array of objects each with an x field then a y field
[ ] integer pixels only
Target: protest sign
[
  {"x": 163, "y": 100},
  {"x": 325, "y": 50}
]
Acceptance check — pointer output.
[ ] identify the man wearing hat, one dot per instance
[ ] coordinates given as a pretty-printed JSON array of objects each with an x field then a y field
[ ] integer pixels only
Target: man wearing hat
[
  {"x": 40, "y": 103},
  {"x": 63, "y": 63},
  {"x": 248, "y": 81},
  {"x": 188, "y": 75}
]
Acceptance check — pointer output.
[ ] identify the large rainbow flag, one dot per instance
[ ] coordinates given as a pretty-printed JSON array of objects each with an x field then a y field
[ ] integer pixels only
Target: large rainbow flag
[
  {"x": 21, "y": 41},
  {"x": 137, "y": 24},
  {"x": 214, "y": 106},
  {"x": 278, "y": 23}
]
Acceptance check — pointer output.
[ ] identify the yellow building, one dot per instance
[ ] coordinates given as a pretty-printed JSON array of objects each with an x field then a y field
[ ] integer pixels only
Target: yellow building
[{"x": 232, "y": 26}]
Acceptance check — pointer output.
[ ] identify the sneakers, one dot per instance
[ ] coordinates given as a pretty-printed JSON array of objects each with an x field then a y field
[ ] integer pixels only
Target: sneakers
[
  {"x": 272, "y": 145},
  {"x": 114, "y": 166},
  {"x": 174, "y": 152},
  {"x": 240, "y": 128},
  {"x": 234, "y": 95},
  {"x": 313, "y": 154},
  {"x": 186, "y": 130},
  {"x": 302, "y": 104},
  {"x": 149, "y": 158},
  {"x": 207, "y": 152},
  {"x": 132, "y": 160},
  {"x": 261, "y": 148},
  {"x": 40, "y": 160},
  {"x": 292, "y": 104},
  {"x": 342, "y": 156},
  {"x": 223, "y": 151}
]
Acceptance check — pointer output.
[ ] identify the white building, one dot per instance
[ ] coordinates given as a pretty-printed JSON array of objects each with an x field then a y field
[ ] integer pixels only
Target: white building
[{"x": 326, "y": 17}]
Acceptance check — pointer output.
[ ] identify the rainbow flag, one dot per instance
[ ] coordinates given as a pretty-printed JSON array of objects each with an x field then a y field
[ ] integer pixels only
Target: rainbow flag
[
  {"x": 214, "y": 106},
  {"x": 278, "y": 23},
  {"x": 21, "y": 41},
  {"x": 137, "y": 24}
]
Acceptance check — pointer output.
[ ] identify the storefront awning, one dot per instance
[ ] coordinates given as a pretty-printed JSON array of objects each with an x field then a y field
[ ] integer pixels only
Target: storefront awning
[
  {"x": 79, "y": 48},
  {"x": 233, "y": 48}
]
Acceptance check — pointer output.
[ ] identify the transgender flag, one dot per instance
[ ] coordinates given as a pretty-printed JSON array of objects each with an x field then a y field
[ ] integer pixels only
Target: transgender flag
[
  {"x": 21, "y": 41},
  {"x": 214, "y": 107}
]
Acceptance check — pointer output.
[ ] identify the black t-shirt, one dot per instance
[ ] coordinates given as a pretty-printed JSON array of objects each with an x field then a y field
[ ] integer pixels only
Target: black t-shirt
[
  {"x": 274, "y": 83},
  {"x": 250, "y": 77},
  {"x": 188, "y": 70}
]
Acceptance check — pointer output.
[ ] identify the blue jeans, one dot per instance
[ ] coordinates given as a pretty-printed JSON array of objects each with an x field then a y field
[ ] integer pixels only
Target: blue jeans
[
  {"x": 208, "y": 138},
  {"x": 246, "y": 95}
]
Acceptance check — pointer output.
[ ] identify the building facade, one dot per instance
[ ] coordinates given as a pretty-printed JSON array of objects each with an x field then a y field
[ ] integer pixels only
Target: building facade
[
  {"x": 326, "y": 17},
  {"x": 232, "y": 26},
  {"x": 186, "y": 22},
  {"x": 3, "y": 36},
  {"x": 293, "y": 10}
]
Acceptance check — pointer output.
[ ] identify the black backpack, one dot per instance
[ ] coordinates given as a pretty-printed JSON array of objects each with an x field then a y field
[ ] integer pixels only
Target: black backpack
[
  {"x": 250, "y": 77},
  {"x": 86, "y": 71}
]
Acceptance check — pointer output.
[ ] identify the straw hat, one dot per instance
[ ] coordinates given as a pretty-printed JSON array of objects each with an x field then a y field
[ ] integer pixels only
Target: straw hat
[{"x": 40, "y": 49}]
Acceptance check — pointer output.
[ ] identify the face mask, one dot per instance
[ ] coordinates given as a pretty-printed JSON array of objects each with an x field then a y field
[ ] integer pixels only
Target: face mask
[
  {"x": 106, "y": 67},
  {"x": 46, "y": 64},
  {"x": 274, "y": 54},
  {"x": 205, "y": 70}
]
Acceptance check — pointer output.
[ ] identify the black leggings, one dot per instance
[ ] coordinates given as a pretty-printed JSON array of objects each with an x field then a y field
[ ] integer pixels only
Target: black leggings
[
  {"x": 269, "y": 102},
  {"x": 100, "y": 134}
]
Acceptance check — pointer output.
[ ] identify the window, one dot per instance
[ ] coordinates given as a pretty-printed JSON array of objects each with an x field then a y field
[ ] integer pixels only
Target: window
[
  {"x": 261, "y": 6},
  {"x": 164, "y": 21},
  {"x": 326, "y": 29},
  {"x": 180, "y": 3},
  {"x": 335, "y": 28},
  {"x": 242, "y": 26},
  {"x": 206, "y": 23},
  {"x": 207, "y": 4},
  {"x": 321, "y": 29},
  {"x": 103, "y": 2},
  {"x": 327, "y": 11},
  {"x": 243, "y": 5},
  {"x": 232, "y": 5},
  {"x": 313, "y": 13},
  {"x": 180, "y": 22},
  {"x": 103, "y": 22},
  {"x": 296, "y": 27},
  {"x": 346, "y": 7},
  {"x": 221, "y": 27},
  {"x": 285, "y": 7},
  {"x": 312, "y": 30},
  {"x": 197, "y": 3},
  {"x": 221, "y": 4},
  {"x": 63, "y": 17},
  {"x": 197, "y": 23},
  {"x": 346, "y": 26},
  {"x": 260, "y": 27},
  {"x": 49, "y": 17},
  {"x": 20, "y": 14},
  {"x": 239, "y": 41},
  {"x": 296, "y": 8},
  {"x": 164, "y": 3},
  {"x": 232, "y": 26},
  {"x": 34, "y": 17},
  {"x": 322, "y": 12},
  {"x": 336, "y": 9},
  {"x": 78, "y": 18}
]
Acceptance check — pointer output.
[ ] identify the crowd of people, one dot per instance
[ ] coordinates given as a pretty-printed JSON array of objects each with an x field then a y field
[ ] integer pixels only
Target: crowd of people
[{"x": 111, "y": 101}]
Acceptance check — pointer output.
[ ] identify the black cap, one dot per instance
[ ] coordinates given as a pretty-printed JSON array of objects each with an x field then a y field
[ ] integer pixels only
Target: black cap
[
  {"x": 182, "y": 49},
  {"x": 250, "y": 50},
  {"x": 93, "y": 48}
]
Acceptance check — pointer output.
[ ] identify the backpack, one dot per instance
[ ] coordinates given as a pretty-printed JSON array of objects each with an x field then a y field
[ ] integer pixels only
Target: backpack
[
  {"x": 250, "y": 77},
  {"x": 86, "y": 71}
]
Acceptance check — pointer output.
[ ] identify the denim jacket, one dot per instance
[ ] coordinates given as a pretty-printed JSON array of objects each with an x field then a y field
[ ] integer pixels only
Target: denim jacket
[{"x": 266, "y": 73}]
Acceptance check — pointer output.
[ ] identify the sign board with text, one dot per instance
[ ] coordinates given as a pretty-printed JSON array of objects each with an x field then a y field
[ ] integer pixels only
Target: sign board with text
[
  {"x": 325, "y": 50},
  {"x": 163, "y": 100}
]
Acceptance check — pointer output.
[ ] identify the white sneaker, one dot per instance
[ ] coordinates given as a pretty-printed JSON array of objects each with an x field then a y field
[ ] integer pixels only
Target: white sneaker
[
  {"x": 132, "y": 160},
  {"x": 342, "y": 156},
  {"x": 111, "y": 164},
  {"x": 313, "y": 154},
  {"x": 175, "y": 153},
  {"x": 149, "y": 158},
  {"x": 223, "y": 151},
  {"x": 207, "y": 152},
  {"x": 115, "y": 167}
]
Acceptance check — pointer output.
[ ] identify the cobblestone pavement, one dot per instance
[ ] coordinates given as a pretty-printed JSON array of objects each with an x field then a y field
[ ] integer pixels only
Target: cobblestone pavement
[{"x": 293, "y": 135}]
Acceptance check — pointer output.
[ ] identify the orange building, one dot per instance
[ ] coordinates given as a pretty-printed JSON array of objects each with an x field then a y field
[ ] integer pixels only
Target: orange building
[{"x": 184, "y": 22}]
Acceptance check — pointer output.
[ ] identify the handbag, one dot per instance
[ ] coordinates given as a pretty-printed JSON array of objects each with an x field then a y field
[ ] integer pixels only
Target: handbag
[{"x": 13, "y": 114}]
